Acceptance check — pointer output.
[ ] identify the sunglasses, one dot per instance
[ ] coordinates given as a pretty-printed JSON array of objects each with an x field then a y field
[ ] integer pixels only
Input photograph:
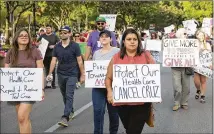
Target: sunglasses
[
  {"x": 63, "y": 33},
  {"x": 76, "y": 36},
  {"x": 100, "y": 23}
]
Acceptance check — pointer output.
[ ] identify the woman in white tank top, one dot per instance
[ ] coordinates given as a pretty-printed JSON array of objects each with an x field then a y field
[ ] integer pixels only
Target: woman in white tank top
[{"x": 201, "y": 80}]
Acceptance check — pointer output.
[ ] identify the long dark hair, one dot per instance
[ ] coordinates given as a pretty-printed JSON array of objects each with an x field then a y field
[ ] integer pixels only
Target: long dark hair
[
  {"x": 123, "y": 48},
  {"x": 15, "y": 47}
]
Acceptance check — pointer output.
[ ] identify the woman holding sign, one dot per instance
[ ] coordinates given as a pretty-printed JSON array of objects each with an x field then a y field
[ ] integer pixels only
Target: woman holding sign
[
  {"x": 22, "y": 55},
  {"x": 99, "y": 94},
  {"x": 199, "y": 79},
  {"x": 133, "y": 116}
]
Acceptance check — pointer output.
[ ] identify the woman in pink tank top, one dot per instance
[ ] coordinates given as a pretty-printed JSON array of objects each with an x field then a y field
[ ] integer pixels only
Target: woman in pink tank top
[{"x": 133, "y": 116}]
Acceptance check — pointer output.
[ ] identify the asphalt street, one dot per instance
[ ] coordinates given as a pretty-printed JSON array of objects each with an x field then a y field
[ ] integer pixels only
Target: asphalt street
[{"x": 45, "y": 114}]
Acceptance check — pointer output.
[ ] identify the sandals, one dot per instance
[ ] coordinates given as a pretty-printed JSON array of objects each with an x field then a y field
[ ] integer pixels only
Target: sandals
[
  {"x": 198, "y": 92},
  {"x": 202, "y": 100}
]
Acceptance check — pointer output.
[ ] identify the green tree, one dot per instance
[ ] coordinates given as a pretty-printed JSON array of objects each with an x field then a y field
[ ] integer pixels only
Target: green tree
[
  {"x": 14, "y": 11},
  {"x": 197, "y": 9}
]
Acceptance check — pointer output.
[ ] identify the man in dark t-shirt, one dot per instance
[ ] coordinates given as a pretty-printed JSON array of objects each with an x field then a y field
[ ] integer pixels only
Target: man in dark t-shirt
[
  {"x": 68, "y": 55},
  {"x": 52, "y": 39}
]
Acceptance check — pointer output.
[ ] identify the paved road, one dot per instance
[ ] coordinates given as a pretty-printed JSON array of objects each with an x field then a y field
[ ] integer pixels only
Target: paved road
[{"x": 198, "y": 119}]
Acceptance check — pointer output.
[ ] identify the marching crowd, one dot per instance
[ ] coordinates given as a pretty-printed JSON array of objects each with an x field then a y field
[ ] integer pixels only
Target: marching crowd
[{"x": 64, "y": 51}]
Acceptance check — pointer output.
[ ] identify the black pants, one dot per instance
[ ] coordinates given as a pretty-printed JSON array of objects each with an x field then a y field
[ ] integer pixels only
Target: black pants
[
  {"x": 134, "y": 117},
  {"x": 47, "y": 63}
]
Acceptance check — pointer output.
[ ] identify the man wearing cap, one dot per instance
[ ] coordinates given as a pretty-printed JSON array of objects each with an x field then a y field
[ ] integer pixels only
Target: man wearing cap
[
  {"x": 52, "y": 39},
  {"x": 93, "y": 41},
  {"x": 70, "y": 62}
]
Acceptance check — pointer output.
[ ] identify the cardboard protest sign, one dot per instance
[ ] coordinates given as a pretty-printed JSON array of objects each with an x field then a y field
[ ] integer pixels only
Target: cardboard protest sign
[
  {"x": 95, "y": 73},
  {"x": 205, "y": 58},
  {"x": 110, "y": 21},
  {"x": 21, "y": 84},
  {"x": 190, "y": 26},
  {"x": 207, "y": 22},
  {"x": 168, "y": 29},
  {"x": 43, "y": 47},
  {"x": 180, "y": 52},
  {"x": 154, "y": 45},
  {"x": 134, "y": 83},
  {"x": 207, "y": 25}
]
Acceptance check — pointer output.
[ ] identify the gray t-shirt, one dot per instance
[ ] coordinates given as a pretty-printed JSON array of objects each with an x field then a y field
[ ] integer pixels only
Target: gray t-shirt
[{"x": 107, "y": 56}]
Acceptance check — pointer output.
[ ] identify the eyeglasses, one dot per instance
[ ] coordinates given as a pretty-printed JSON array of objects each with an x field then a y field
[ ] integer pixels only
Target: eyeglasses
[
  {"x": 63, "y": 33},
  {"x": 76, "y": 36},
  {"x": 23, "y": 36},
  {"x": 100, "y": 23}
]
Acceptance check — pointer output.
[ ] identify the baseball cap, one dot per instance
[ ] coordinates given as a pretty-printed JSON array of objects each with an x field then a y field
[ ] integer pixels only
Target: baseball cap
[
  {"x": 100, "y": 19},
  {"x": 108, "y": 33},
  {"x": 65, "y": 28}
]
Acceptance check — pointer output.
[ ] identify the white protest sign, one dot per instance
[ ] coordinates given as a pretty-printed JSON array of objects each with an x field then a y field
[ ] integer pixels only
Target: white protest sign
[
  {"x": 43, "y": 47},
  {"x": 136, "y": 83},
  {"x": 207, "y": 22},
  {"x": 169, "y": 29},
  {"x": 154, "y": 45},
  {"x": 180, "y": 52},
  {"x": 205, "y": 58},
  {"x": 190, "y": 26},
  {"x": 21, "y": 84},
  {"x": 110, "y": 21},
  {"x": 207, "y": 25},
  {"x": 95, "y": 73}
]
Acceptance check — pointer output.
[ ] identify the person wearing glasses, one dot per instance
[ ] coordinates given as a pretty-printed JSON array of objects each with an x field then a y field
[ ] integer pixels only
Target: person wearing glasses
[
  {"x": 23, "y": 55},
  {"x": 69, "y": 58},
  {"x": 79, "y": 37},
  {"x": 93, "y": 43}
]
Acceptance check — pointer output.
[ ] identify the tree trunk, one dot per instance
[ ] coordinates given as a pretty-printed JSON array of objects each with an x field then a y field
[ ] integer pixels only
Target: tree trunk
[
  {"x": 7, "y": 21},
  {"x": 86, "y": 21}
]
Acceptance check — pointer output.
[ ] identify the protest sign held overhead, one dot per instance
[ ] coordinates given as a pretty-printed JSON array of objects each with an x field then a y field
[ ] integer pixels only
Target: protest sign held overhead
[
  {"x": 134, "y": 83},
  {"x": 21, "y": 84},
  {"x": 169, "y": 28},
  {"x": 95, "y": 73},
  {"x": 190, "y": 26},
  {"x": 207, "y": 25},
  {"x": 110, "y": 21},
  {"x": 154, "y": 45},
  {"x": 180, "y": 52}
]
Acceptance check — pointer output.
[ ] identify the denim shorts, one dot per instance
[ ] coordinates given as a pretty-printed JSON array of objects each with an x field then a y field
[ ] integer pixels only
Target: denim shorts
[{"x": 19, "y": 102}]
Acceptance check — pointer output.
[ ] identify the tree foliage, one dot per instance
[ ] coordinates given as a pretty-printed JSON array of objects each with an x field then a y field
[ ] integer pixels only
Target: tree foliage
[{"x": 81, "y": 14}]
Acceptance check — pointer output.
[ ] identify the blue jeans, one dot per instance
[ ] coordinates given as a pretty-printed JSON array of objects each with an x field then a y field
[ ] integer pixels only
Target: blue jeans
[
  {"x": 67, "y": 86},
  {"x": 99, "y": 99}
]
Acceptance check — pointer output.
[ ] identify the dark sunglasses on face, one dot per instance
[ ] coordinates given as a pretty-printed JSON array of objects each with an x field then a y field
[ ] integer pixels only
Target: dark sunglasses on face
[
  {"x": 76, "y": 36},
  {"x": 100, "y": 23},
  {"x": 62, "y": 33}
]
